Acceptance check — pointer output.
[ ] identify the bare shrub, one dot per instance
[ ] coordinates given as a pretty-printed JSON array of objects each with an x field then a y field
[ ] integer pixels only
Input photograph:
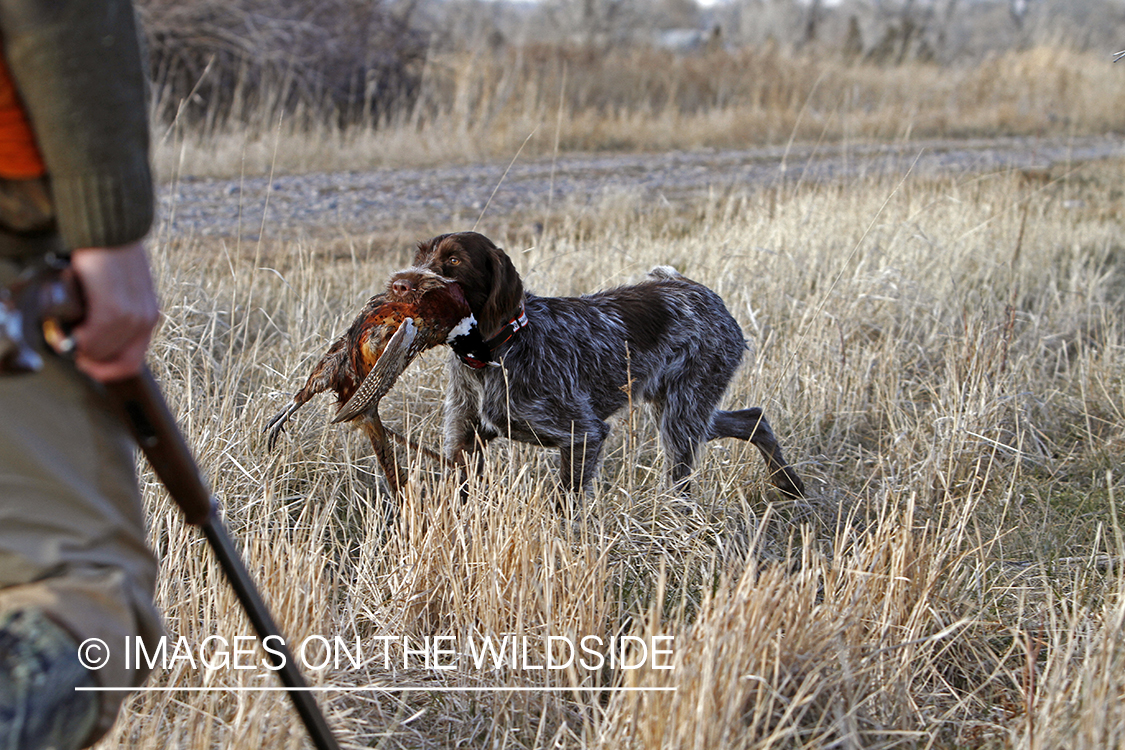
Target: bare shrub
[{"x": 214, "y": 59}]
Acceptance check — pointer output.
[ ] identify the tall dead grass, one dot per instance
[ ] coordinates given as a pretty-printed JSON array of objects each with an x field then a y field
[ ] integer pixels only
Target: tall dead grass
[
  {"x": 944, "y": 360},
  {"x": 481, "y": 105}
]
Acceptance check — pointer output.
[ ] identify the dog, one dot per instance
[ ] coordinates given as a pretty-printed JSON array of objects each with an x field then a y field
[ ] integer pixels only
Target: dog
[{"x": 561, "y": 366}]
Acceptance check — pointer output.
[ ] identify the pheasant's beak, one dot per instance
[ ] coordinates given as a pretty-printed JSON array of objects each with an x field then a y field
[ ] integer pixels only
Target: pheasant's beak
[{"x": 394, "y": 359}]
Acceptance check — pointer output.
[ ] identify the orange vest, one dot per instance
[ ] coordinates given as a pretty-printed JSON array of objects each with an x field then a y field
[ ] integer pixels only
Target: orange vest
[{"x": 19, "y": 154}]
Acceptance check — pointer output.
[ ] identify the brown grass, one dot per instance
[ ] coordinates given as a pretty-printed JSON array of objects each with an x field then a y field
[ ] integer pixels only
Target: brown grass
[
  {"x": 943, "y": 358},
  {"x": 474, "y": 106}
]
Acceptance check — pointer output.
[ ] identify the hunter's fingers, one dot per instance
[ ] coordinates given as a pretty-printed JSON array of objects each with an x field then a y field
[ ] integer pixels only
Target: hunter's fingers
[{"x": 121, "y": 311}]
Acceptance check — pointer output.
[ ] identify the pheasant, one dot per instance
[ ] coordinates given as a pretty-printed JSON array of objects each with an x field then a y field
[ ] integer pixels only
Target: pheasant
[{"x": 418, "y": 311}]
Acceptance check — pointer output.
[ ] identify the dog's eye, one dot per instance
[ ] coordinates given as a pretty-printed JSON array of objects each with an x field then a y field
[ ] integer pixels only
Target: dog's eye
[{"x": 453, "y": 260}]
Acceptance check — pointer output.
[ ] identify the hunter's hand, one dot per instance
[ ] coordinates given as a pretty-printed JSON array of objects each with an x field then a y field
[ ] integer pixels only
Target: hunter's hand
[{"x": 121, "y": 310}]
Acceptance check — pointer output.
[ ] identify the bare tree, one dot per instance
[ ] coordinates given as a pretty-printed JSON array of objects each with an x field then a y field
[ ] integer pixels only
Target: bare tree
[
  {"x": 812, "y": 19},
  {"x": 1018, "y": 10}
]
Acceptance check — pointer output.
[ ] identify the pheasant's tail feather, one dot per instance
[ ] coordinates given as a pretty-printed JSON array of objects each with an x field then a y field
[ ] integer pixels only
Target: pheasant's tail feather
[{"x": 395, "y": 357}]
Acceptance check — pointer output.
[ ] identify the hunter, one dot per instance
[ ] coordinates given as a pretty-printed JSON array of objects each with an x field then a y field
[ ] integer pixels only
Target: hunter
[{"x": 75, "y": 181}]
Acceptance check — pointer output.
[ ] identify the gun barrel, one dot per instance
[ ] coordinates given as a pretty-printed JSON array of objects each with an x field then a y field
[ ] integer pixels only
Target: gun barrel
[
  {"x": 146, "y": 413},
  {"x": 142, "y": 406},
  {"x": 280, "y": 655}
]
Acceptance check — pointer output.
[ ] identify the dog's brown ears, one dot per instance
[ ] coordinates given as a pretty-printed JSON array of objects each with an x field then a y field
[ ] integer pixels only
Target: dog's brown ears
[
  {"x": 506, "y": 294},
  {"x": 489, "y": 280}
]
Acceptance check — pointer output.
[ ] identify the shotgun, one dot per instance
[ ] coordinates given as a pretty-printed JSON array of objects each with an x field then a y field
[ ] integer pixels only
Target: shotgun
[{"x": 39, "y": 308}]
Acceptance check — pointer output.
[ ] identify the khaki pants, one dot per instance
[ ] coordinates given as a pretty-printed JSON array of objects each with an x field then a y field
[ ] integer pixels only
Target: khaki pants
[{"x": 72, "y": 537}]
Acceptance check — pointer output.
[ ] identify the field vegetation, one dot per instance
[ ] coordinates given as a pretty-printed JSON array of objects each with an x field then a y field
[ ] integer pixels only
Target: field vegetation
[
  {"x": 942, "y": 358},
  {"x": 262, "y": 87}
]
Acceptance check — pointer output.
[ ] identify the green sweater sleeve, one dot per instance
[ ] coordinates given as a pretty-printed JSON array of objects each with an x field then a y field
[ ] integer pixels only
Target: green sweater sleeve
[{"x": 77, "y": 65}]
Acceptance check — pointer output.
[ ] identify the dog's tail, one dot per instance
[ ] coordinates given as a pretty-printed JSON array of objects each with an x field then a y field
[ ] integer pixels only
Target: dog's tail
[{"x": 664, "y": 273}]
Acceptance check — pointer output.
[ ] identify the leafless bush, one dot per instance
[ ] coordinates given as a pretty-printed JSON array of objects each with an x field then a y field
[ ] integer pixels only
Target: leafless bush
[
  {"x": 218, "y": 59},
  {"x": 892, "y": 32}
]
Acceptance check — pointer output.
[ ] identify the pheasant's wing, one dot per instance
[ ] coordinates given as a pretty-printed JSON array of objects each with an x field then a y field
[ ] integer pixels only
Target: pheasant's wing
[
  {"x": 328, "y": 373},
  {"x": 399, "y": 352},
  {"x": 334, "y": 372}
]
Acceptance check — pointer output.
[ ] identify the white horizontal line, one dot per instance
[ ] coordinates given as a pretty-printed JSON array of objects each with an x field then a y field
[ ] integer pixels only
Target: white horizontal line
[{"x": 378, "y": 689}]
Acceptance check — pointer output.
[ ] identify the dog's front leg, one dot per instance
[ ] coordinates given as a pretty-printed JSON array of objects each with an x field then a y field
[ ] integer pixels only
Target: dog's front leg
[
  {"x": 466, "y": 452},
  {"x": 464, "y": 436},
  {"x": 579, "y": 454}
]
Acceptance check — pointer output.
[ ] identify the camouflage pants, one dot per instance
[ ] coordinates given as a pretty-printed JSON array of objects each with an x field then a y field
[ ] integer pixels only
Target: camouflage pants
[{"x": 40, "y": 706}]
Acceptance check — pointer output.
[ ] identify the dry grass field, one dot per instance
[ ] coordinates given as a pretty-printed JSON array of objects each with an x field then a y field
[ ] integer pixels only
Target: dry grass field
[
  {"x": 479, "y": 105},
  {"x": 943, "y": 359},
  {"x": 945, "y": 362}
]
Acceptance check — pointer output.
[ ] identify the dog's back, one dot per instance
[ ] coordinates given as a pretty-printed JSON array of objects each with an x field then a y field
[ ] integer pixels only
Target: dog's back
[
  {"x": 577, "y": 360},
  {"x": 663, "y": 335}
]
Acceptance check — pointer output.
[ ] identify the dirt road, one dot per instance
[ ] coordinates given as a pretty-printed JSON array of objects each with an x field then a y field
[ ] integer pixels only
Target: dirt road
[{"x": 453, "y": 197}]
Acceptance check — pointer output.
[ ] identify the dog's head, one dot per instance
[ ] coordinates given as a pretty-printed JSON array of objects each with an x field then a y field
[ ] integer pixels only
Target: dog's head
[{"x": 486, "y": 275}]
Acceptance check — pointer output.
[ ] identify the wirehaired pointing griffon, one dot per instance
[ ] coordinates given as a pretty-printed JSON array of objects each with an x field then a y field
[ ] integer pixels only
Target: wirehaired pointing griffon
[{"x": 568, "y": 364}]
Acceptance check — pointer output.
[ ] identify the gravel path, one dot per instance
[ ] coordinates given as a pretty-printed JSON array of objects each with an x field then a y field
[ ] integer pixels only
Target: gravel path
[{"x": 454, "y": 196}]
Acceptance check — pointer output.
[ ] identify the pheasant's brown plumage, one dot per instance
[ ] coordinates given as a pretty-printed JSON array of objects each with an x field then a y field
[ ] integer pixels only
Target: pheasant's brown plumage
[{"x": 419, "y": 310}]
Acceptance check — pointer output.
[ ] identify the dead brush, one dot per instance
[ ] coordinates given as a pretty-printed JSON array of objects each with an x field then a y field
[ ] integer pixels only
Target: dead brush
[
  {"x": 474, "y": 106},
  {"x": 218, "y": 64}
]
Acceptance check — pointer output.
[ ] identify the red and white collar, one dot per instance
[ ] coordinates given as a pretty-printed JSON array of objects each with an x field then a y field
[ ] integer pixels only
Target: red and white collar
[{"x": 507, "y": 331}]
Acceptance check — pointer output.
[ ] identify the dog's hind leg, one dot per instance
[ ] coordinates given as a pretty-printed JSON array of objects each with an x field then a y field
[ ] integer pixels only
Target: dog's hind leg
[
  {"x": 750, "y": 424},
  {"x": 682, "y": 433}
]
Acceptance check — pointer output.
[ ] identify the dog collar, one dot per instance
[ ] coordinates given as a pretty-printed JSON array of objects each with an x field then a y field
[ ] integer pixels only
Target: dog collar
[{"x": 506, "y": 333}]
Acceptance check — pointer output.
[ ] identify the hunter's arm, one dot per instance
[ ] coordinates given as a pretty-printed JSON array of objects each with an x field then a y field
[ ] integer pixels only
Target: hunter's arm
[{"x": 77, "y": 65}]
